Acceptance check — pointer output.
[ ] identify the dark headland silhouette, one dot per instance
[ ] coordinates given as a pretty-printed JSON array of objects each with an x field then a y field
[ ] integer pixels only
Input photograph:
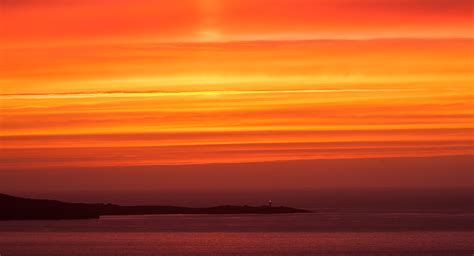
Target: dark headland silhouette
[{"x": 17, "y": 208}]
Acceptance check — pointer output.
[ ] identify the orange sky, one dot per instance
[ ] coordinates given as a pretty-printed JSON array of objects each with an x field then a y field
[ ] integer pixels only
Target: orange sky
[
  {"x": 150, "y": 83},
  {"x": 51, "y": 22}
]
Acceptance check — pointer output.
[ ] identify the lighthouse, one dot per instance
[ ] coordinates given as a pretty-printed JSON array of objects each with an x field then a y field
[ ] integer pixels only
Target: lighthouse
[{"x": 269, "y": 203}]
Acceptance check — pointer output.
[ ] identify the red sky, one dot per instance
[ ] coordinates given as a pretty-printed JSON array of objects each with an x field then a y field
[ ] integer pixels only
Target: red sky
[{"x": 119, "y": 84}]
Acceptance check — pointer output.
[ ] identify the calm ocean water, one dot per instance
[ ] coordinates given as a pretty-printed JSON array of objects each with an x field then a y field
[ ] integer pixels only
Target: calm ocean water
[{"x": 365, "y": 223}]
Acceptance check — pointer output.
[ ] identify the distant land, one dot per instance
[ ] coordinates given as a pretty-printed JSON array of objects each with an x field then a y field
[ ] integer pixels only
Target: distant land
[{"x": 17, "y": 208}]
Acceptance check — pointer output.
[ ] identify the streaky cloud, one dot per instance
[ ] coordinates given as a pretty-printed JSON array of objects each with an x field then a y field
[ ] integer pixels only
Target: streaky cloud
[{"x": 126, "y": 94}]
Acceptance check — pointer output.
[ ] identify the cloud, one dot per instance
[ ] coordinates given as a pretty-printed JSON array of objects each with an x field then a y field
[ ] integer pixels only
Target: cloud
[
  {"x": 139, "y": 94},
  {"x": 30, "y": 3}
]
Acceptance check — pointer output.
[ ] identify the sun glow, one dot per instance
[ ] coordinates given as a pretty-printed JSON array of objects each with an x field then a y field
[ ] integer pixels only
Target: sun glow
[{"x": 202, "y": 82}]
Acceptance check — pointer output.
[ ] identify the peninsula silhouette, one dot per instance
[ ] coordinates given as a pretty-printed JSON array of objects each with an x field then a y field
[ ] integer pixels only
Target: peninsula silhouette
[{"x": 17, "y": 208}]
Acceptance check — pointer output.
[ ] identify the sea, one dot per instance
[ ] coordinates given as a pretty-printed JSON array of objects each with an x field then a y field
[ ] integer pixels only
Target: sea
[{"x": 343, "y": 222}]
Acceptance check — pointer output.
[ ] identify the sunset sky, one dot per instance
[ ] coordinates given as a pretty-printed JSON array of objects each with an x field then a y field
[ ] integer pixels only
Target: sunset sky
[{"x": 94, "y": 84}]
